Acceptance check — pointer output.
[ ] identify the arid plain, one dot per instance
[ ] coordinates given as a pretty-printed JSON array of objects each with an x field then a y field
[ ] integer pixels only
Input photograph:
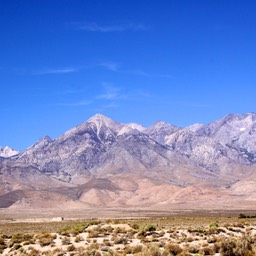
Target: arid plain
[{"x": 187, "y": 233}]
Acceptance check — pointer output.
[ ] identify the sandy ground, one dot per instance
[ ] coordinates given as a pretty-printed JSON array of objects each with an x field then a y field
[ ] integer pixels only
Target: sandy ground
[
  {"x": 195, "y": 236},
  {"x": 10, "y": 215}
]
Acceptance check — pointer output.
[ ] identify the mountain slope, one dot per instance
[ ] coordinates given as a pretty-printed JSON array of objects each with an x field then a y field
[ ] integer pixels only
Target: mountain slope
[{"x": 105, "y": 163}]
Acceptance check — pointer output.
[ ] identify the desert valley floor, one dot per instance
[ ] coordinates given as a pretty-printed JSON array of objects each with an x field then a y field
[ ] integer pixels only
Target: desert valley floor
[{"x": 128, "y": 232}]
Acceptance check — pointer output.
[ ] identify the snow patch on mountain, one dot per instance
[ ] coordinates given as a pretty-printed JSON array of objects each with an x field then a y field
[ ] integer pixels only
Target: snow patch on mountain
[
  {"x": 127, "y": 128},
  {"x": 8, "y": 152},
  {"x": 100, "y": 120},
  {"x": 136, "y": 126}
]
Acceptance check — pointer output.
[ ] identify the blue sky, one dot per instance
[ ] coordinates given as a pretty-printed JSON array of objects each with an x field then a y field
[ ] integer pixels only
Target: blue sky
[{"x": 181, "y": 61}]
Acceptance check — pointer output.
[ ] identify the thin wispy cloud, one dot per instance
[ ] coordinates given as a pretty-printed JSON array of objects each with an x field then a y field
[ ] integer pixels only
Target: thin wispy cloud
[
  {"x": 112, "y": 66},
  {"x": 75, "y": 104},
  {"x": 139, "y": 72},
  {"x": 116, "y": 67},
  {"x": 94, "y": 27},
  {"x": 111, "y": 105},
  {"x": 171, "y": 101},
  {"x": 108, "y": 95},
  {"x": 56, "y": 71},
  {"x": 111, "y": 92},
  {"x": 108, "y": 98},
  {"x": 72, "y": 91}
]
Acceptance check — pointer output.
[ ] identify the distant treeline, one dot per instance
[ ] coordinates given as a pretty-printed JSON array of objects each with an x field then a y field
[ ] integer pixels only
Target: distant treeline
[{"x": 243, "y": 216}]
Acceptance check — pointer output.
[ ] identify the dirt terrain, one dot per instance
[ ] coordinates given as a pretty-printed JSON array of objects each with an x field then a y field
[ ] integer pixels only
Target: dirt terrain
[
  {"x": 14, "y": 215},
  {"x": 123, "y": 232}
]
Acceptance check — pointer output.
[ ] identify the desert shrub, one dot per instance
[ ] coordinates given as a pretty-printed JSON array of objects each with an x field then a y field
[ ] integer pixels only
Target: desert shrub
[
  {"x": 58, "y": 252},
  {"x": 212, "y": 230},
  {"x": 135, "y": 249},
  {"x": 239, "y": 225},
  {"x": 65, "y": 240},
  {"x": 79, "y": 239},
  {"x": 135, "y": 226},
  {"x": 162, "y": 243},
  {"x": 161, "y": 233},
  {"x": 146, "y": 230},
  {"x": 65, "y": 233},
  {"x": 245, "y": 246},
  {"x": 93, "y": 246},
  {"x": 121, "y": 240},
  {"x": 93, "y": 234},
  {"x": 71, "y": 248},
  {"x": 80, "y": 227},
  {"x": 107, "y": 230},
  {"x": 131, "y": 234},
  {"x": 151, "y": 251},
  {"x": 45, "y": 239},
  {"x": 233, "y": 229},
  {"x": 107, "y": 242},
  {"x": 207, "y": 251},
  {"x": 146, "y": 240},
  {"x": 116, "y": 221},
  {"x": 94, "y": 222},
  {"x": 214, "y": 225},
  {"x": 149, "y": 228},
  {"x": 31, "y": 241},
  {"x": 32, "y": 251},
  {"x": 90, "y": 253},
  {"x": 2, "y": 244},
  {"x": 193, "y": 249},
  {"x": 108, "y": 221},
  {"x": 19, "y": 238},
  {"x": 173, "y": 249},
  {"x": 76, "y": 229},
  {"x": 212, "y": 240},
  {"x": 16, "y": 247},
  {"x": 190, "y": 239},
  {"x": 119, "y": 230},
  {"x": 2, "y": 247},
  {"x": 181, "y": 254},
  {"x": 22, "y": 251},
  {"x": 216, "y": 247},
  {"x": 221, "y": 230},
  {"x": 227, "y": 247},
  {"x": 141, "y": 235}
]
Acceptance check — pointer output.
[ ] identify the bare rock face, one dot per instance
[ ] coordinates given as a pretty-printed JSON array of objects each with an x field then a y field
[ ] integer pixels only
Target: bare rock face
[
  {"x": 160, "y": 131},
  {"x": 105, "y": 163},
  {"x": 7, "y": 152},
  {"x": 237, "y": 133}
]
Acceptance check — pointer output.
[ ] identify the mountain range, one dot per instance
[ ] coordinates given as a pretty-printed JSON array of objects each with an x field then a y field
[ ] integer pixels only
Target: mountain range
[{"x": 103, "y": 163}]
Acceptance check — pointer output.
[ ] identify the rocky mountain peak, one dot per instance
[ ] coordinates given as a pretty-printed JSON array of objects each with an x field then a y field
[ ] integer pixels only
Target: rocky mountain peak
[
  {"x": 229, "y": 126},
  {"x": 100, "y": 120},
  {"x": 7, "y": 152},
  {"x": 247, "y": 118},
  {"x": 43, "y": 142},
  {"x": 158, "y": 125},
  {"x": 160, "y": 130},
  {"x": 38, "y": 146},
  {"x": 97, "y": 124}
]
